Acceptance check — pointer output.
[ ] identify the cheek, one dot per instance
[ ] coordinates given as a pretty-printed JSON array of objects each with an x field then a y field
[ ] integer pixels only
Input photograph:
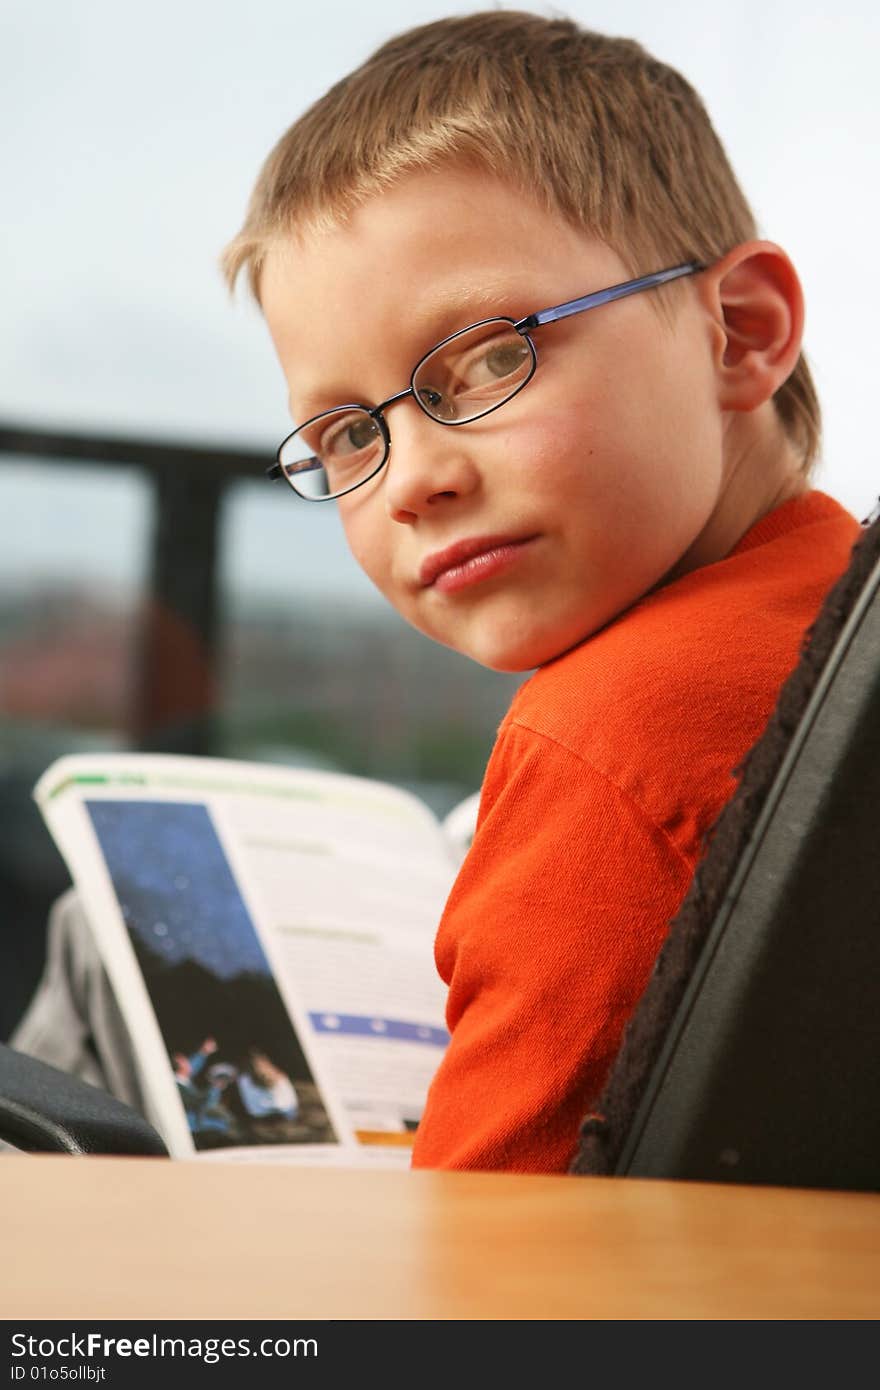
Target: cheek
[
  {"x": 561, "y": 460},
  {"x": 549, "y": 448},
  {"x": 366, "y": 531}
]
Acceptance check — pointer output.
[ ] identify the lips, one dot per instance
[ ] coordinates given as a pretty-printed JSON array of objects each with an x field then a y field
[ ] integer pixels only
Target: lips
[{"x": 456, "y": 556}]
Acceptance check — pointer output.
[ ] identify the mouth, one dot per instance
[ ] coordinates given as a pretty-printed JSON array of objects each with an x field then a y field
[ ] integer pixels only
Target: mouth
[{"x": 470, "y": 561}]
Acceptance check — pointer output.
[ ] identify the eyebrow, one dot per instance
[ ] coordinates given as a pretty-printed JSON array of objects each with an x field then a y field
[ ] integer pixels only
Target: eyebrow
[{"x": 445, "y": 313}]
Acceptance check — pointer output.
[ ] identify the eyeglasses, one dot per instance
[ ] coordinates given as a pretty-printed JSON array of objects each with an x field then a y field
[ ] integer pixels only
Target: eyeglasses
[{"x": 466, "y": 376}]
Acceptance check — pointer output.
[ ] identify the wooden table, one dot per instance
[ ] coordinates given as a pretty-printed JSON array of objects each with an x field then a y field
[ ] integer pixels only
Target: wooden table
[{"x": 150, "y": 1238}]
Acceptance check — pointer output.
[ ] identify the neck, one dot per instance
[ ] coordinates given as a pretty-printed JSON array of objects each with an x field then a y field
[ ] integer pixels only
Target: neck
[{"x": 760, "y": 470}]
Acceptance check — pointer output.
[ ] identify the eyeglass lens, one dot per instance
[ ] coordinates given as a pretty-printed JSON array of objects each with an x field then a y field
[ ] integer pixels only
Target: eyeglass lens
[
  {"x": 463, "y": 378},
  {"x": 472, "y": 372},
  {"x": 336, "y": 451}
]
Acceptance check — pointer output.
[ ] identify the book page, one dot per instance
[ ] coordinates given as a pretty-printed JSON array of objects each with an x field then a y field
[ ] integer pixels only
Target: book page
[{"x": 268, "y": 933}]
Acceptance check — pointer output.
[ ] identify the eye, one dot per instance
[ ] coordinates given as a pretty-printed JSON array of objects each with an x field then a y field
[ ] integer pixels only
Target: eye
[
  {"x": 494, "y": 362},
  {"x": 506, "y": 358},
  {"x": 473, "y": 371},
  {"x": 348, "y": 436}
]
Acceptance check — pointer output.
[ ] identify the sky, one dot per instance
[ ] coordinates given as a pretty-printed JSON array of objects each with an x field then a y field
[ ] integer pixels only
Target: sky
[
  {"x": 179, "y": 898},
  {"x": 131, "y": 136}
]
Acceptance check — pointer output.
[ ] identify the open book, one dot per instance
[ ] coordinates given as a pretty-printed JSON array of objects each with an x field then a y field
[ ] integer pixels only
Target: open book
[{"x": 268, "y": 936}]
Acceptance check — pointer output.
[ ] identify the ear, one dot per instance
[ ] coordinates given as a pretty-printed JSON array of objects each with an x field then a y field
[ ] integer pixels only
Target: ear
[{"x": 755, "y": 298}]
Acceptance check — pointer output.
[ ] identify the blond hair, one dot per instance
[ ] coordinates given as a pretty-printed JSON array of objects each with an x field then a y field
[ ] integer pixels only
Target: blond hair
[{"x": 616, "y": 141}]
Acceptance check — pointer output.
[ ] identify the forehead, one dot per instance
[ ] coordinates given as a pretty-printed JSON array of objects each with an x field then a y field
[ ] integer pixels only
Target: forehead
[{"x": 349, "y": 304}]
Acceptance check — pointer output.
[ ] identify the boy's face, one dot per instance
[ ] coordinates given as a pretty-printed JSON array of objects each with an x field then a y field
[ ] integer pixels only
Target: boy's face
[{"x": 574, "y": 498}]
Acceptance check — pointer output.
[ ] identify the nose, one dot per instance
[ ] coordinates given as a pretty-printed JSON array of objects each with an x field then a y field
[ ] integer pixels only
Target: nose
[{"x": 428, "y": 464}]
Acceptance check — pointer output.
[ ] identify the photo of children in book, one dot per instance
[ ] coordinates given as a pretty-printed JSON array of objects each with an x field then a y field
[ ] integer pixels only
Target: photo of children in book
[
  {"x": 241, "y": 1074},
  {"x": 255, "y": 1102}
]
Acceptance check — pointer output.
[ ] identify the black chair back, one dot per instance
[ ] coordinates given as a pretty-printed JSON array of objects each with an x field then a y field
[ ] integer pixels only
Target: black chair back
[
  {"x": 43, "y": 1110},
  {"x": 754, "y": 1053}
]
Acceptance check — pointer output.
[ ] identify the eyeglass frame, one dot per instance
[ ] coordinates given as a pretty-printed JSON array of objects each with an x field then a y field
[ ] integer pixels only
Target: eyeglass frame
[{"x": 523, "y": 326}]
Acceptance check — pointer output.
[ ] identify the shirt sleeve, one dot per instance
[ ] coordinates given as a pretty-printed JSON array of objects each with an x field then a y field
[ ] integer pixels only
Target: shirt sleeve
[{"x": 546, "y": 943}]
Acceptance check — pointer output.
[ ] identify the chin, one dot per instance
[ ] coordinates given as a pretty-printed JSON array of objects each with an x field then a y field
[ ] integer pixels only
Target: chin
[
  {"x": 502, "y": 659},
  {"x": 513, "y": 658},
  {"x": 503, "y": 647},
  {"x": 510, "y": 666}
]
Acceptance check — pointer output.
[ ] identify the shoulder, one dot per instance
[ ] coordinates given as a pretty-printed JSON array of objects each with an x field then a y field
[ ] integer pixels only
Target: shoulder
[
  {"x": 664, "y": 702},
  {"x": 730, "y": 626}
]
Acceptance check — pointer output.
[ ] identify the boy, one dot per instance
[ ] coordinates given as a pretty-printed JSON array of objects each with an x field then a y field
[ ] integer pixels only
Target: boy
[
  {"x": 611, "y": 492},
  {"x": 635, "y": 523}
]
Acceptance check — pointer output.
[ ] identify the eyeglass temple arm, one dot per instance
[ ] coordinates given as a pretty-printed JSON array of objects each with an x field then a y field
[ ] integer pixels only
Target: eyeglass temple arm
[
  {"x": 276, "y": 470},
  {"x": 592, "y": 301}
]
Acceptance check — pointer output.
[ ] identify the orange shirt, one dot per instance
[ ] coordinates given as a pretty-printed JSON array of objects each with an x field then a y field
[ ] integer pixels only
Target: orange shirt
[{"x": 612, "y": 763}]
